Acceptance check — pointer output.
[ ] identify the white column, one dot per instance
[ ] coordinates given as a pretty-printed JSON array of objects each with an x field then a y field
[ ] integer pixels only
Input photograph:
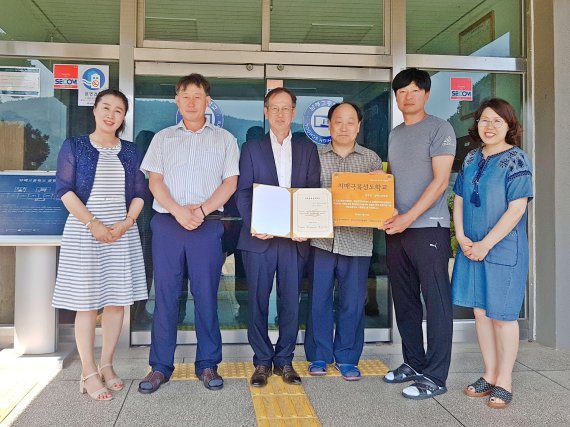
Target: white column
[{"x": 34, "y": 317}]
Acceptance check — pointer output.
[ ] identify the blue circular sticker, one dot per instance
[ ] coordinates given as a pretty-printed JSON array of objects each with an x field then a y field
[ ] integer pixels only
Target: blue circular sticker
[
  {"x": 316, "y": 122},
  {"x": 93, "y": 79},
  {"x": 213, "y": 114}
]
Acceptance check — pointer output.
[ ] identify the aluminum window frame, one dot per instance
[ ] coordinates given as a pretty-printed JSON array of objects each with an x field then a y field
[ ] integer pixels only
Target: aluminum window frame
[{"x": 266, "y": 44}]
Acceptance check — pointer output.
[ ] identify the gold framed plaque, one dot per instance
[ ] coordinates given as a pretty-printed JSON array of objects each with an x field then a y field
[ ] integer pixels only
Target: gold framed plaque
[{"x": 362, "y": 199}]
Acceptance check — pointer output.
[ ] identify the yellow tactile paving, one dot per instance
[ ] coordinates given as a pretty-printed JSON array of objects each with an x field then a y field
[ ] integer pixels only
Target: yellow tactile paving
[
  {"x": 279, "y": 404},
  {"x": 229, "y": 370},
  {"x": 238, "y": 370},
  {"x": 276, "y": 386},
  {"x": 289, "y": 423},
  {"x": 12, "y": 391},
  {"x": 235, "y": 369}
]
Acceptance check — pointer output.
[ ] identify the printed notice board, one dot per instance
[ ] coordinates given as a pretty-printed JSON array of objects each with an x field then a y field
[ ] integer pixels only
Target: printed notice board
[{"x": 29, "y": 205}]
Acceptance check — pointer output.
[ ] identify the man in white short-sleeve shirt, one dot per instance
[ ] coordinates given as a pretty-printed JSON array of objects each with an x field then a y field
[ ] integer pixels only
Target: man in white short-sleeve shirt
[{"x": 193, "y": 169}]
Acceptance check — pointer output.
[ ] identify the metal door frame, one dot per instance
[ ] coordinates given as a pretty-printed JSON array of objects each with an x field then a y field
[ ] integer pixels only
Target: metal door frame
[{"x": 261, "y": 71}]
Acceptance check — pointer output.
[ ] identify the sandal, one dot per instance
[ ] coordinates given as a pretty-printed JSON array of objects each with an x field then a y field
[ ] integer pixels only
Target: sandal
[
  {"x": 152, "y": 382},
  {"x": 211, "y": 379},
  {"x": 479, "y": 388},
  {"x": 318, "y": 368},
  {"x": 115, "y": 384},
  {"x": 96, "y": 395},
  {"x": 402, "y": 374},
  {"x": 423, "y": 388},
  {"x": 348, "y": 371},
  {"x": 499, "y": 393}
]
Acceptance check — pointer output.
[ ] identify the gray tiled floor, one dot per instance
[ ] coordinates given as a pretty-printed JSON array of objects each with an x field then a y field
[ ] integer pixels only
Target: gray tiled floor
[
  {"x": 538, "y": 402},
  {"x": 541, "y": 383},
  {"x": 184, "y": 403},
  {"x": 370, "y": 402}
]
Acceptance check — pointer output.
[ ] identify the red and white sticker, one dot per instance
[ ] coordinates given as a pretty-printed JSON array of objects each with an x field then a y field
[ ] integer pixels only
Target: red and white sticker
[
  {"x": 65, "y": 76},
  {"x": 461, "y": 89}
]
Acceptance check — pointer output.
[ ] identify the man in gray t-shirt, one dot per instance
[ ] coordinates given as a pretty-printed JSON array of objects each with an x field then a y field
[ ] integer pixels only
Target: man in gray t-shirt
[
  {"x": 411, "y": 149},
  {"x": 420, "y": 153}
]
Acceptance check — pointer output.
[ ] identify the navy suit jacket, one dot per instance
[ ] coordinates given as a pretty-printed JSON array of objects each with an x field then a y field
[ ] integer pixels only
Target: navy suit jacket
[{"x": 257, "y": 165}]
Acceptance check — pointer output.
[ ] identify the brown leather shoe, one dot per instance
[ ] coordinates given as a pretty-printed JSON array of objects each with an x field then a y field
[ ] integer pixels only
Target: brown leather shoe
[
  {"x": 260, "y": 376},
  {"x": 290, "y": 376}
]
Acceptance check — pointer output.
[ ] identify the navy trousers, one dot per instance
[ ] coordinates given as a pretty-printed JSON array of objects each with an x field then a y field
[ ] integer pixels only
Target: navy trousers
[
  {"x": 418, "y": 262},
  {"x": 351, "y": 273},
  {"x": 175, "y": 249},
  {"x": 282, "y": 258}
]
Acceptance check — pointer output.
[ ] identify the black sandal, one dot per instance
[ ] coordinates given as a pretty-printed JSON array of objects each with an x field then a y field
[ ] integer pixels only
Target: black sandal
[
  {"x": 402, "y": 374},
  {"x": 499, "y": 393},
  {"x": 423, "y": 388},
  {"x": 479, "y": 388}
]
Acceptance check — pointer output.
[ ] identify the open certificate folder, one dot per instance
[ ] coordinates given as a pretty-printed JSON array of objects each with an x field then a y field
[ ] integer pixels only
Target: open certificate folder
[{"x": 292, "y": 212}]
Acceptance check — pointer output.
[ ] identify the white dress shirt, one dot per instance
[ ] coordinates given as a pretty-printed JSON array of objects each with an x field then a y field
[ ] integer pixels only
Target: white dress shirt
[{"x": 283, "y": 156}]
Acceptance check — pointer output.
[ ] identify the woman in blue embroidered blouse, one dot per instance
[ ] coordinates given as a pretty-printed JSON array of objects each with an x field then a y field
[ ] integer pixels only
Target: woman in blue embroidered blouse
[
  {"x": 491, "y": 267},
  {"x": 101, "y": 263}
]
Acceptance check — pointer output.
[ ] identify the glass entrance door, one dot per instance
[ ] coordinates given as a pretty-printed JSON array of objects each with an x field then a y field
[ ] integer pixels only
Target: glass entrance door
[{"x": 237, "y": 105}]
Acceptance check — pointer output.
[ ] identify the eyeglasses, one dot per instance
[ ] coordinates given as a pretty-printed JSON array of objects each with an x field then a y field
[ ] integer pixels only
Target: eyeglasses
[
  {"x": 276, "y": 110},
  {"x": 497, "y": 123}
]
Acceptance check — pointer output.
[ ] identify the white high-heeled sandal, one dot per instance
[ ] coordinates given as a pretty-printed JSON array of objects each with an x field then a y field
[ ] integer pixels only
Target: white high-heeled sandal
[
  {"x": 97, "y": 393},
  {"x": 115, "y": 384}
]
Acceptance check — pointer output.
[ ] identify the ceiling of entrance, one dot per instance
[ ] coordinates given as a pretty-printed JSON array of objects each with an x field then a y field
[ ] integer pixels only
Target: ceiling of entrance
[
  {"x": 62, "y": 21},
  {"x": 229, "y": 21}
]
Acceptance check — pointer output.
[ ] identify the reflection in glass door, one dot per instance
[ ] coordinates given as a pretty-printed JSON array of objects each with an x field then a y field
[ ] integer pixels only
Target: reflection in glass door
[
  {"x": 238, "y": 107},
  {"x": 373, "y": 98},
  {"x": 460, "y": 114}
]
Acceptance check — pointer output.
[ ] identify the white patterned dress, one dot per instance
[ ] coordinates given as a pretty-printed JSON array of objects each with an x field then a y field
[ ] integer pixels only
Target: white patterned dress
[{"x": 91, "y": 274}]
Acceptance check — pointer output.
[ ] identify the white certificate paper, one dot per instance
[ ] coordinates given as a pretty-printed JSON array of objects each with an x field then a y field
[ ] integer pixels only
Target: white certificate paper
[
  {"x": 292, "y": 212},
  {"x": 312, "y": 210},
  {"x": 271, "y": 210}
]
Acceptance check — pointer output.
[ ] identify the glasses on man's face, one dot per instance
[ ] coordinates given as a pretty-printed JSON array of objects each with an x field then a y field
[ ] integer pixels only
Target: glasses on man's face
[
  {"x": 497, "y": 123},
  {"x": 276, "y": 110}
]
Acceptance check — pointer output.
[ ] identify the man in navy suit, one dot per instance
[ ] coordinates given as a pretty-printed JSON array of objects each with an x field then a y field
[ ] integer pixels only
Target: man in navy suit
[{"x": 282, "y": 160}]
